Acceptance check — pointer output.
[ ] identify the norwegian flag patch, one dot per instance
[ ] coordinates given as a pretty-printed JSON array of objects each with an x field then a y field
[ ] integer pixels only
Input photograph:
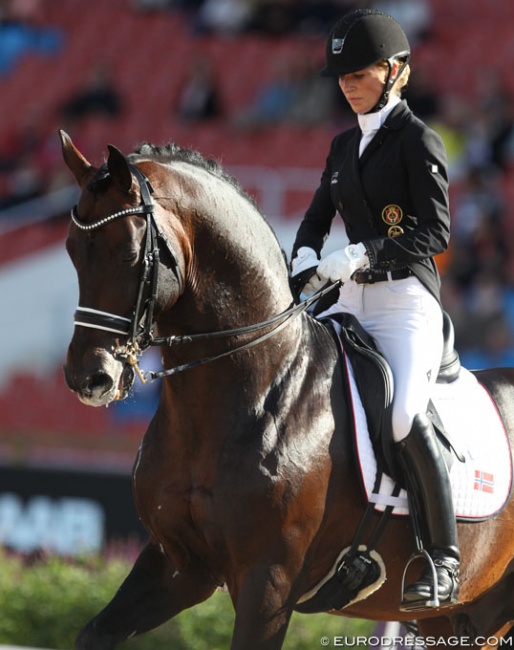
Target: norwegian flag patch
[{"x": 484, "y": 482}]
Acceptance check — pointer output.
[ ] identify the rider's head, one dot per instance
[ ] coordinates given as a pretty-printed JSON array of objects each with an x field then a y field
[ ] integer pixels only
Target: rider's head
[{"x": 363, "y": 38}]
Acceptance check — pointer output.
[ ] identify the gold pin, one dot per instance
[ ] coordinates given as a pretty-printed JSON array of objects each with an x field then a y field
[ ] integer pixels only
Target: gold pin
[{"x": 394, "y": 231}]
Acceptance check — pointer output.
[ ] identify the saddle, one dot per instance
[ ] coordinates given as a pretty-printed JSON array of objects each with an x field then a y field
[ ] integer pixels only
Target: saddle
[{"x": 374, "y": 380}]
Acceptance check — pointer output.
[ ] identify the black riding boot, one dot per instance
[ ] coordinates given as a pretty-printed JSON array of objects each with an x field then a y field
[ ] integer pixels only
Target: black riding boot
[{"x": 428, "y": 484}]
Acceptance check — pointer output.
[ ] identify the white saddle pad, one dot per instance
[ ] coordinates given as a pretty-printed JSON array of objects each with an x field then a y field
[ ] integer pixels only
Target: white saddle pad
[{"x": 481, "y": 485}]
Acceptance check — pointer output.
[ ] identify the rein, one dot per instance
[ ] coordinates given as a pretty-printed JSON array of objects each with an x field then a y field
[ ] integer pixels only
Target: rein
[
  {"x": 284, "y": 316},
  {"x": 141, "y": 336}
]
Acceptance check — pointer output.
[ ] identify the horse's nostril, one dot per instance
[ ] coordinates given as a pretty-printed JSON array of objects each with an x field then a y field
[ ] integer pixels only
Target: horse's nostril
[{"x": 98, "y": 383}]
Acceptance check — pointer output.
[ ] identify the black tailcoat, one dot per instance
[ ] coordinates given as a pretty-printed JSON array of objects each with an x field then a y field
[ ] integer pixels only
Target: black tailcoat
[{"x": 394, "y": 198}]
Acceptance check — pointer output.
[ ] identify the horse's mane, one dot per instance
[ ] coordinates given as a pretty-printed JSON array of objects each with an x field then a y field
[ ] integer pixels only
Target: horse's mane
[
  {"x": 168, "y": 153},
  {"x": 173, "y": 152}
]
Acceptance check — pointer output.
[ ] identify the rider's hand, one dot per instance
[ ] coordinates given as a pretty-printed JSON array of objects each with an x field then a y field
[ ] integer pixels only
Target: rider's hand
[
  {"x": 342, "y": 264},
  {"x": 303, "y": 272},
  {"x": 314, "y": 284}
]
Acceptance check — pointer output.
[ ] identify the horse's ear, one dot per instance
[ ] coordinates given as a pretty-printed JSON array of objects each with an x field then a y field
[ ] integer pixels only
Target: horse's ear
[
  {"x": 119, "y": 169},
  {"x": 75, "y": 161}
]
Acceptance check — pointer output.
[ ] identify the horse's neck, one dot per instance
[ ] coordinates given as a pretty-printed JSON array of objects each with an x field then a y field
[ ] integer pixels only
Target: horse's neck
[
  {"x": 237, "y": 275},
  {"x": 223, "y": 299}
]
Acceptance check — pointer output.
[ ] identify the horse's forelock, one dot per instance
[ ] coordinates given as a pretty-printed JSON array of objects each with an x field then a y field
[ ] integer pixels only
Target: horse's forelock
[{"x": 100, "y": 180}]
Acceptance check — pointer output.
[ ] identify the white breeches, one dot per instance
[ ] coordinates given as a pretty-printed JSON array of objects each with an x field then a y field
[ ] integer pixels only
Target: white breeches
[{"x": 406, "y": 322}]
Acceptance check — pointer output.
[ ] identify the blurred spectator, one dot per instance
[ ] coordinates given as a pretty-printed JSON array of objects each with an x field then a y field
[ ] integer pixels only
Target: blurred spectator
[
  {"x": 421, "y": 95},
  {"x": 15, "y": 144},
  {"x": 24, "y": 182},
  {"x": 31, "y": 159},
  {"x": 478, "y": 201},
  {"x": 294, "y": 94},
  {"x": 494, "y": 101},
  {"x": 316, "y": 17},
  {"x": 199, "y": 98},
  {"x": 313, "y": 97},
  {"x": 98, "y": 96},
  {"x": 22, "y": 174},
  {"x": 166, "y": 5},
  {"x": 493, "y": 349},
  {"x": 151, "y": 5},
  {"x": 274, "y": 17},
  {"x": 20, "y": 34},
  {"x": 450, "y": 124},
  {"x": 273, "y": 99},
  {"x": 224, "y": 16},
  {"x": 307, "y": 17},
  {"x": 478, "y": 241},
  {"x": 415, "y": 16}
]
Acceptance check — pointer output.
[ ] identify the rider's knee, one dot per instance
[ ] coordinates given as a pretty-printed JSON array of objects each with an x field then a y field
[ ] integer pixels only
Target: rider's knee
[{"x": 401, "y": 424}]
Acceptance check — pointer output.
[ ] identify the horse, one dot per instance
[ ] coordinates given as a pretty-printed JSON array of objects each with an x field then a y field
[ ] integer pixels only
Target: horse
[{"x": 246, "y": 476}]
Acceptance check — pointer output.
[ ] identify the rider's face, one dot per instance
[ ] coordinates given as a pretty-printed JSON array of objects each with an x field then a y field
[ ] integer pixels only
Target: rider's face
[{"x": 363, "y": 88}]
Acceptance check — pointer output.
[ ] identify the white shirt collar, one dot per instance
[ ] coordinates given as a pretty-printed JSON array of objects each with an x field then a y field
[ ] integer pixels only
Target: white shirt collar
[{"x": 373, "y": 121}]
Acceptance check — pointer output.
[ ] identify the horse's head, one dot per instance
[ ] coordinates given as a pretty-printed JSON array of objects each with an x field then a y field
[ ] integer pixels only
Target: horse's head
[{"x": 115, "y": 244}]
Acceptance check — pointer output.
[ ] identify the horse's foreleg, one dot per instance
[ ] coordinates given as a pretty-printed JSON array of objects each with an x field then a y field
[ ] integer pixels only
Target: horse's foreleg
[
  {"x": 263, "y": 609},
  {"x": 152, "y": 593}
]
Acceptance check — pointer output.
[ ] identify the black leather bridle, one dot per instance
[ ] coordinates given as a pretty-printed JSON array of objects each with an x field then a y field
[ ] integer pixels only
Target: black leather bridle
[{"x": 139, "y": 327}]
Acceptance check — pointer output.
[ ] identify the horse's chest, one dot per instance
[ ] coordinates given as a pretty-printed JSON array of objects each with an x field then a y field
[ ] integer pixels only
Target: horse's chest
[{"x": 170, "y": 498}]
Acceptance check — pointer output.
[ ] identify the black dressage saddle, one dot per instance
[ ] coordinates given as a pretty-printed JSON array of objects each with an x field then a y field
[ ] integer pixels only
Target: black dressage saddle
[{"x": 374, "y": 380}]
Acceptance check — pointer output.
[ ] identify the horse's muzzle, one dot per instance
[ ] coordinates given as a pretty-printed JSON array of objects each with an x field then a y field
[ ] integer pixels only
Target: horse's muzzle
[{"x": 100, "y": 385}]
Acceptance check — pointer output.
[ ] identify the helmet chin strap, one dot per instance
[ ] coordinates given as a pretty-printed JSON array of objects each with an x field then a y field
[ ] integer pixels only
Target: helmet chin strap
[{"x": 388, "y": 84}]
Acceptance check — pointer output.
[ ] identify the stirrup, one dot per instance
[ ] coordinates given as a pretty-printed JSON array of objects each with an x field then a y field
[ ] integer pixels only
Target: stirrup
[{"x": 422, "y": 603}]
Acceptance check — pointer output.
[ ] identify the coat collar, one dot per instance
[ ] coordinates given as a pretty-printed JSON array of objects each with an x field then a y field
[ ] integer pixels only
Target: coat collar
[
  {"x": 394, "y": 122},
  {"x": 397, "y": 117}
]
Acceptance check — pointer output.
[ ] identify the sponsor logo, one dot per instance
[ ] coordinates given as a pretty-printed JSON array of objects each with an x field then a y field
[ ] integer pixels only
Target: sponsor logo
[{"x": 68, "y": 526}]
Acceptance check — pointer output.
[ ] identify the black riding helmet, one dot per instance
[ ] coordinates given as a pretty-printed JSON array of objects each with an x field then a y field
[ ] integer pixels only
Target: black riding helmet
[{"x": 360, "y": 39}]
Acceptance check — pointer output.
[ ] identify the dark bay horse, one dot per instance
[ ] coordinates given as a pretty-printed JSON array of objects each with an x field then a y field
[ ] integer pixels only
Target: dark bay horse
[{"x": 246, "y": 476}]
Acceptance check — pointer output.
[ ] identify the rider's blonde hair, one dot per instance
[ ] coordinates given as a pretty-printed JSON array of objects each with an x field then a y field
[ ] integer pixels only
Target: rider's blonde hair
[{"x": 402, "y": 80}]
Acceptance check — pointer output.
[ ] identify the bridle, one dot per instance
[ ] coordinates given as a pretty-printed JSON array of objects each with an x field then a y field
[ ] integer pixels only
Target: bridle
[{"x": 139, "y": 328}]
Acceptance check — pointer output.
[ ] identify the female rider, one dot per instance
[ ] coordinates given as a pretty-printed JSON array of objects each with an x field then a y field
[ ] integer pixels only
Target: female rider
[{"x": 387, "y": 178}]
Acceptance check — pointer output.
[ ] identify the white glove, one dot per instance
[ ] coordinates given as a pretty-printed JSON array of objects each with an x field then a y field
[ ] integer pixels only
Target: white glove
[
  {"x": 305, "y": 259},
  {"x": 342, "y": 264}
]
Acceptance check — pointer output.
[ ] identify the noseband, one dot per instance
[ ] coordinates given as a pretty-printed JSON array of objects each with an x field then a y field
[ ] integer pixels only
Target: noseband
[{"x": 139, "y": 327}]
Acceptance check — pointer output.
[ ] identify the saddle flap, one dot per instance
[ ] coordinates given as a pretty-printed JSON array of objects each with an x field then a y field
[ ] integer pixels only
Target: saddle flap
[{"x": 372, "y": 374}]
